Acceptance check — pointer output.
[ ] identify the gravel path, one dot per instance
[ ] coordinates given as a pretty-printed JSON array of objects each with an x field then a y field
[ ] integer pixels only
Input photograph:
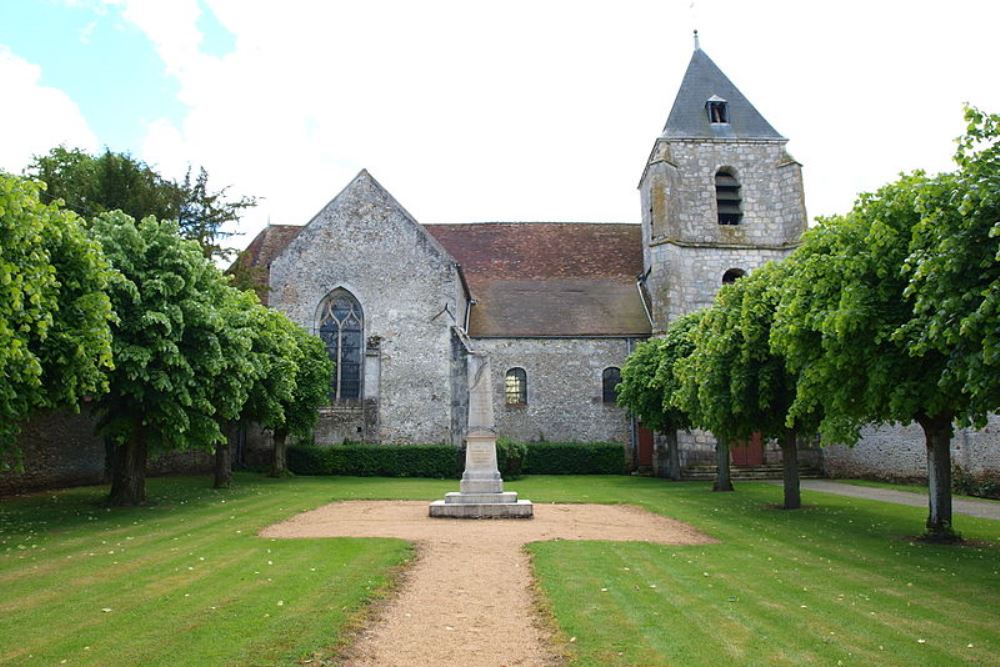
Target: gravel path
[
  {"x": 468, "y": 598},
  {"x": 986, "y": 509}
]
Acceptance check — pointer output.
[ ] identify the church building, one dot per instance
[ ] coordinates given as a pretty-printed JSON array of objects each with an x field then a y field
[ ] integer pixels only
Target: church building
[{"x": 557, "y": 306}]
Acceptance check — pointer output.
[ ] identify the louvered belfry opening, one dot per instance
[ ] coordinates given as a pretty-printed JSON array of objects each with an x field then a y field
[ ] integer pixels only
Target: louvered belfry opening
[{"x": 727, "y": 198}]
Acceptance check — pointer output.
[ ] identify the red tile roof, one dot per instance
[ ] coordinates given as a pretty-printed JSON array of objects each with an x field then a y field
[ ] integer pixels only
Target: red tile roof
[
  {"x": 529, "y": 279},
  {"x": 550, "y": 279}
]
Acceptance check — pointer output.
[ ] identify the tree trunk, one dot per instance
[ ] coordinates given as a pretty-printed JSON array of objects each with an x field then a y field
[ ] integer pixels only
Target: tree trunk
[
  {"x": 128, "y": 471},
  {"x": 673, "y": 455},
  {"x": 723, "y": 479},
  {"x": 937, "y": 432},
  {"x": 279, "y": 464},
  {"x": 790, "y": 470},
  {"x": 224, "y": 460}
]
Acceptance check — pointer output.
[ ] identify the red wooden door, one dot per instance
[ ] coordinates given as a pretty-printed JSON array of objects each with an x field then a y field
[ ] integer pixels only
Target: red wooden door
[
  {"x": 748, "y": 453},
  {"x": 645, "y": 446}
]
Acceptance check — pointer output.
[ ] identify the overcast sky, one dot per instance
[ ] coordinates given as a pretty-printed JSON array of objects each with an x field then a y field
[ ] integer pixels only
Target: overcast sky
[{"x": 471, "y": 111}]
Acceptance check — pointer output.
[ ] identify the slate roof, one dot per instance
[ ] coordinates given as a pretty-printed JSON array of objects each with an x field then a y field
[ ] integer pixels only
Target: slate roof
[
  {"x": 529, "y": 279},
  {"x": 550, "y": 279},
  {"x": 689, "y": 119}
]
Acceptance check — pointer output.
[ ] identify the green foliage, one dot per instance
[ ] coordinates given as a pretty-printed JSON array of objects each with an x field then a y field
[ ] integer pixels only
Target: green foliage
[
  {"x": 510, "y": 458},
  {"x": 840, "y": 316},
  {"x": 92, "y": 185},
  {"x": 649, "y": 380},
  {"x": 55, "y": 344},
  {"x": 537, "y": 458},
  {"x": 376, "y": 460},
  {"x": 276, "y": 358},
  {"x": 204, "y": 213},
  {"x": 575, "y": 458},
  {"x": 312, "y": 383},
  {"x": 954, "y": 269},
  {"x": 732, "y": 383},
  {"x": 169, "y": 338},
  {"x": 111, "y": 181}
]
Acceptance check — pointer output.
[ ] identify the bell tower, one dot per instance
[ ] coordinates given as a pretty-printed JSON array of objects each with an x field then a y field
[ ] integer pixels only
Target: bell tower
[{"x": 720, "y": 194}]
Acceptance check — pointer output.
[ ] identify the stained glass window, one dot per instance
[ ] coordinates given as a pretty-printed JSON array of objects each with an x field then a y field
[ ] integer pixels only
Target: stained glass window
[{"x": 341, "y": 326}]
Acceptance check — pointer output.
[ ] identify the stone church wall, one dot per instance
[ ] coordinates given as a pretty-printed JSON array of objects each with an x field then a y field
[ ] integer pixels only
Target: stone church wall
[
  {"x": 687, "y": 279},
  {"x": 564, "y": 388},
  {"x": 407, "y": 285},
  {"x": 685, "y": 245}
]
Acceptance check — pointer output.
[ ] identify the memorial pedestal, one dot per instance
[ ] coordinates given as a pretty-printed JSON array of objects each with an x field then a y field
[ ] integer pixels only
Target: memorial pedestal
[{"x": 482, "y": 495}]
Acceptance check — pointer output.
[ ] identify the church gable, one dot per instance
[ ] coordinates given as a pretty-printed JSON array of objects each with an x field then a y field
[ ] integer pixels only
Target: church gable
[{"x": 363, "y": 215}]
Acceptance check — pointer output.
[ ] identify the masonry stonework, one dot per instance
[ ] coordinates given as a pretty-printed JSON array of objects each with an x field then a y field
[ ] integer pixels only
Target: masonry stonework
[
  {"x": 408, "y": 287},
  {"x": 564, "y": 388},
  {"x": 898, "y": 452}
]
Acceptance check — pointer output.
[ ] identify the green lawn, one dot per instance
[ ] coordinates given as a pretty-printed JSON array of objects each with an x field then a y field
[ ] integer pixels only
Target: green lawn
[{"x": 188, "y": 583}]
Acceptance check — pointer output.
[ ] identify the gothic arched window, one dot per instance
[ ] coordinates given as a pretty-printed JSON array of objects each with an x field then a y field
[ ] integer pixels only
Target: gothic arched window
[
  {"x": 609, "y": 384},
  {"x": 728, "y": 198},
  {"x": 341, "y": 326},
  {"x": 515, "y": 387}
]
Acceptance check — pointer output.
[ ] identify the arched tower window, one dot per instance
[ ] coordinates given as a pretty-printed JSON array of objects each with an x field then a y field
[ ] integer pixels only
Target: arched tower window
[
  {"x": 609, "y": 384},
  {"x": 732, "y": 275},
  {"x": 728, "y": 199},
  {"x": 341, "y": 326},
  {"x": 515, "y": 387}
]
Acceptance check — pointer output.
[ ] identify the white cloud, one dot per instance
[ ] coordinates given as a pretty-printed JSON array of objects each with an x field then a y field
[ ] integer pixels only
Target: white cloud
[
  {"x": 525, "y": 110},
  {"x": 33, "y": 117}
]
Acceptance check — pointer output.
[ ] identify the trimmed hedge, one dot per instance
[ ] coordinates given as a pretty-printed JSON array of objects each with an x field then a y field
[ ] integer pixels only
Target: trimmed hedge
[
  {"x": 376, "y": 460},
  {"x": 445, "y": 461},
  {"x": 575, "y": 458}
]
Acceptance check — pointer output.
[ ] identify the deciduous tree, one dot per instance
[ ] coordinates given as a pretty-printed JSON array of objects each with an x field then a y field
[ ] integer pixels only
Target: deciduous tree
[
  {"x": 55, "y": 342},
  {"x": 91, "y": 185},
  {"x": 842, "y": 324},
  {"x": 312, "y": 390},
  {"x": 649, "y": 383},
  {"x": 736, "y": 383},
  {"x": 168, "y": 347}
]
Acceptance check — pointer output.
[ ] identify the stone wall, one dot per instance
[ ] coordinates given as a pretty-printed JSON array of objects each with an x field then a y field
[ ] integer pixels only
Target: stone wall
[
  {"x": 59, "y": 448},
  {"x": 685, "y": 279},
  {"x": 409, "y": 289},
  {"x": 564, "y": 388},
  {"x": 898, "y": 452},
  {"x": 686, "y": 250},
  {"x": 349, "y": 421}
]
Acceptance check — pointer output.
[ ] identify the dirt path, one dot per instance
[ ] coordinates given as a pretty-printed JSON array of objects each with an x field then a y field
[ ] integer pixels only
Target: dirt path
[{"x": 468, "y": 598}]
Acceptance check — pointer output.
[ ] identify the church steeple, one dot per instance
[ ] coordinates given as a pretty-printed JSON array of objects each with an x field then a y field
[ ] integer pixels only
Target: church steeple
[
  {"x": 709, "y": 106},
  {"x": 720, "y": 195}
]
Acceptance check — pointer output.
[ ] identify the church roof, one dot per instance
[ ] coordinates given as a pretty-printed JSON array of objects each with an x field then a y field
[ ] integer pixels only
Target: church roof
[
  {"x": 263, "y": 250},
  {"x": 550, "y": 279},
  {"x": 702, "y": 82},
  {"x": 529, "y": 279}
]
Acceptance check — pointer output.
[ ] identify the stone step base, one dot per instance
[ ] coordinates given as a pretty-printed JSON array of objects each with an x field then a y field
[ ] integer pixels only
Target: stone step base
[
  {"x": 522, "y": 509},
  {"x": 464, "y": 498},
  {"x": 706, "y": 473}
]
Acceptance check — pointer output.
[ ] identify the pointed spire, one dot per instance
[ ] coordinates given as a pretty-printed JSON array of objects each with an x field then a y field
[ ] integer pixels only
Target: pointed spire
[
  {"x": 697, "y": 46},
  {"x": 703, "y": 83}
]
